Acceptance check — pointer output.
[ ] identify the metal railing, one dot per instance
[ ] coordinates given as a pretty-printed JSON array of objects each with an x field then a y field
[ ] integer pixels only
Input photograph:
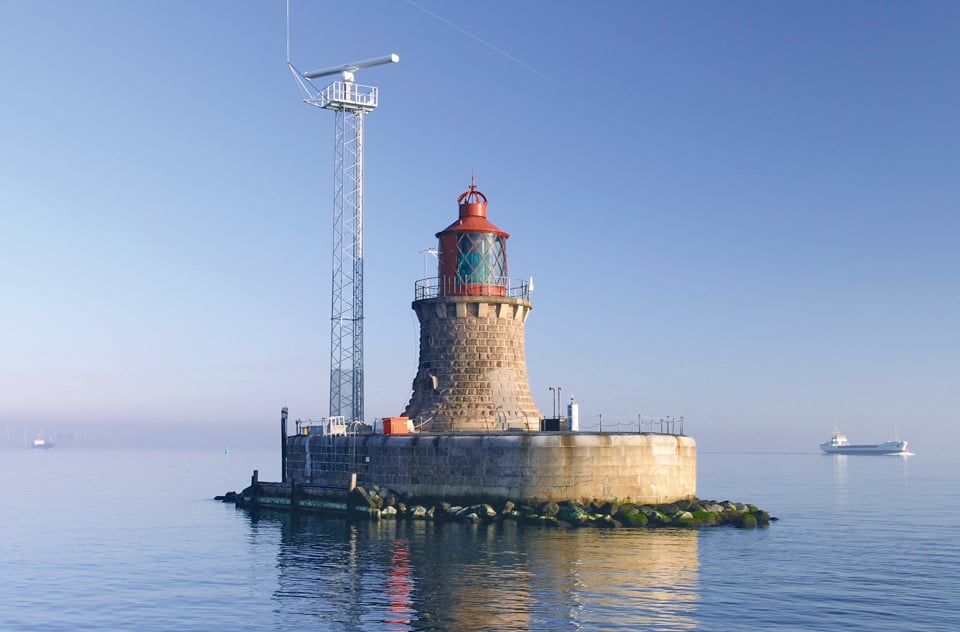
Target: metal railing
[
  {"x": 507, "y": 287},
  {"x": 347, "y": 96},
  {"x": 662, "y": 425},
  {"x": 604, "y": 424},
  {"x": 643, "y": 425},
  {"x": 331, "y": 426}
]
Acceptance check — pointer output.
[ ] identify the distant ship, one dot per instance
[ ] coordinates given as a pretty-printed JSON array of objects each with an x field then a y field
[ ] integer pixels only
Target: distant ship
[
  {"x": 838, "y": 444},
  {"x": 42, "y": 444}
]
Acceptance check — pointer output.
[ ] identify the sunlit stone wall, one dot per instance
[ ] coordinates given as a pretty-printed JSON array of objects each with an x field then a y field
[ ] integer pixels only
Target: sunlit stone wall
[
  {"x": 472, "y": 373},
  {"x": 642, "y": 468}
]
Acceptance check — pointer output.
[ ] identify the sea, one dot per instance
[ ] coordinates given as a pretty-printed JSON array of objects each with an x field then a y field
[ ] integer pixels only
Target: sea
[{"x": 133, "y": 540}]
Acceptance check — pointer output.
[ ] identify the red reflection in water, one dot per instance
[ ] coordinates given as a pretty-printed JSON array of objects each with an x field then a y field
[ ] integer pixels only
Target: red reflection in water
[{"x": 400, "y": 585}]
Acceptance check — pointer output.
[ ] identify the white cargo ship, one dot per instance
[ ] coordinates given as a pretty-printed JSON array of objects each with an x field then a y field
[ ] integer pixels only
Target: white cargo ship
[{"x": 838, "y": 444}]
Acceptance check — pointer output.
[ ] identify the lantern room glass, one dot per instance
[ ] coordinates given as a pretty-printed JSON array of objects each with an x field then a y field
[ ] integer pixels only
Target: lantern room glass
[{"x": 481, "y": 259}]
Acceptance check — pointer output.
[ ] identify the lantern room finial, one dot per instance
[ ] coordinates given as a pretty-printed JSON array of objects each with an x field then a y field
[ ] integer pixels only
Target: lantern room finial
[{"x": 472, "y": 198}]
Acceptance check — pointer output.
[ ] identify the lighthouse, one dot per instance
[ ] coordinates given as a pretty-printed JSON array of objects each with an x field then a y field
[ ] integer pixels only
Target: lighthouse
[{"x": 472, "y": 373}]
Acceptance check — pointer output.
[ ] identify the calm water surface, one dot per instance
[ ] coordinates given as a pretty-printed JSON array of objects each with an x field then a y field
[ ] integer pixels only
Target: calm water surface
[{"x": 116, "y": 540}]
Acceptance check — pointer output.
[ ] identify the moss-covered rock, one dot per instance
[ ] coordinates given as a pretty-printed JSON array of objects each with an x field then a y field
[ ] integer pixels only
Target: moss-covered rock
[
  {"x": 604, "y": 508},
  {"x": 634, "y": 520},
  {"x": 550, "y": 521},
  {"x": 655, "y": 518},
  {"x": 625, "y": 509},
  {"x": 380, "y": 502},
  {"x": 668, "y": 509},
  {"x": 605, "y": 522},
  {"x": 573, "y": 514},
  {"x": 549, "y": 509}
]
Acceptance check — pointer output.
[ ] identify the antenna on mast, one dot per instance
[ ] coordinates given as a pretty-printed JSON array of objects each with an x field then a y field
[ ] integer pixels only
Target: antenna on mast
[
  {"x": 350, "y": 102},
  {"x": 346, "y": 70}
]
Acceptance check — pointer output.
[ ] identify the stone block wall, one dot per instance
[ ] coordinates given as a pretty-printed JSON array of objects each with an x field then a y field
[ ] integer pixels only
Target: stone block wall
[
  {"x": 642, "y": 468},
  {"x": 472, "y": 373}
]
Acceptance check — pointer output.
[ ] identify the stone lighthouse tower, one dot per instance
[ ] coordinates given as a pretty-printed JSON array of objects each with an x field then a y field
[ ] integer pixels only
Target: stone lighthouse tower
[{"x": 472, "y": 375}]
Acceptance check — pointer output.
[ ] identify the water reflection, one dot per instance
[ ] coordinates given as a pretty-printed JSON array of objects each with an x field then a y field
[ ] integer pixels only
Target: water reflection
[
  {"x": 855, "y": 476},
  {"x": 399, "y": 589},
  {"x": 425, "y": 576},
  {"x": 839, "y": 478},
  {"x": 636, "y": 579}
]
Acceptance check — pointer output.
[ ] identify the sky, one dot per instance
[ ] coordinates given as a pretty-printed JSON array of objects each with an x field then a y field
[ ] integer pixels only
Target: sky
[{"x": 741, "y": 213}]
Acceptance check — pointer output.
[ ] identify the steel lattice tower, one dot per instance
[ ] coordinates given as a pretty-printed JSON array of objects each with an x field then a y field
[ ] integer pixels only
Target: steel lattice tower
[{"x": 350, "y": 102}]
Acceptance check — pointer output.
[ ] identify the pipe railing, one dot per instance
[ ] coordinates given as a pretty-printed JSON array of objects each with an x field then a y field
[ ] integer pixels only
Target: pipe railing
[
  {"x": 663, "y": 425},
  {"x": 655, "y": 425},
  {"x": 612, "y": 425},
  {"x": 347, "y": 95},
  {"x": 435, "y": 287}
]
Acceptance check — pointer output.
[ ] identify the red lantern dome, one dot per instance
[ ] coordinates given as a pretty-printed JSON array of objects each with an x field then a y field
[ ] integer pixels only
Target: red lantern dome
[{"x": 472, "y": 251}]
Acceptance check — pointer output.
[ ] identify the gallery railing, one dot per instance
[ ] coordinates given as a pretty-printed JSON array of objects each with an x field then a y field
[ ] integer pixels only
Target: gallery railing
[{"x": 455, "y": 286}]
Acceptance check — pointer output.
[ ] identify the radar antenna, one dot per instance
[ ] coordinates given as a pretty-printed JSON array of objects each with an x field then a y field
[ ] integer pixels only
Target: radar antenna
[{"x": 349, "y": 101}]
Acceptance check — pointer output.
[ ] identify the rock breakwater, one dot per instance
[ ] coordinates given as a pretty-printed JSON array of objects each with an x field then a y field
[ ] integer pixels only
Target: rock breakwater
[{"x": 381, "y": 504}]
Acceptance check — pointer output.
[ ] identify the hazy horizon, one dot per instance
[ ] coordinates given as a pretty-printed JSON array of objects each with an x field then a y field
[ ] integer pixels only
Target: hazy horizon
[{"x": 245, "y": 435}]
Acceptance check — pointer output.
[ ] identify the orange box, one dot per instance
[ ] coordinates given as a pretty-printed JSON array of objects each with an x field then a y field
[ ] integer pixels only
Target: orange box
[{"x": 395, "y": 425}]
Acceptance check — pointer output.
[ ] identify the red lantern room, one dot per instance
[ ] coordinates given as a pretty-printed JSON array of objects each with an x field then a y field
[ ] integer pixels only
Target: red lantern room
[{"x": 472, "y": 251}]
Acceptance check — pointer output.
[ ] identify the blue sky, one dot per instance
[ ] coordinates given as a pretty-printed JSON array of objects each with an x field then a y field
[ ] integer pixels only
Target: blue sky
[{"x": 742, "y": 213}]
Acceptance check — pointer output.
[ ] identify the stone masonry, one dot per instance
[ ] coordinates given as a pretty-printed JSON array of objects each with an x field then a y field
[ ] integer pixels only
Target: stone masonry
[
  {"x": 535, "y": 466},
  {"x": 472, "y": 374}
]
